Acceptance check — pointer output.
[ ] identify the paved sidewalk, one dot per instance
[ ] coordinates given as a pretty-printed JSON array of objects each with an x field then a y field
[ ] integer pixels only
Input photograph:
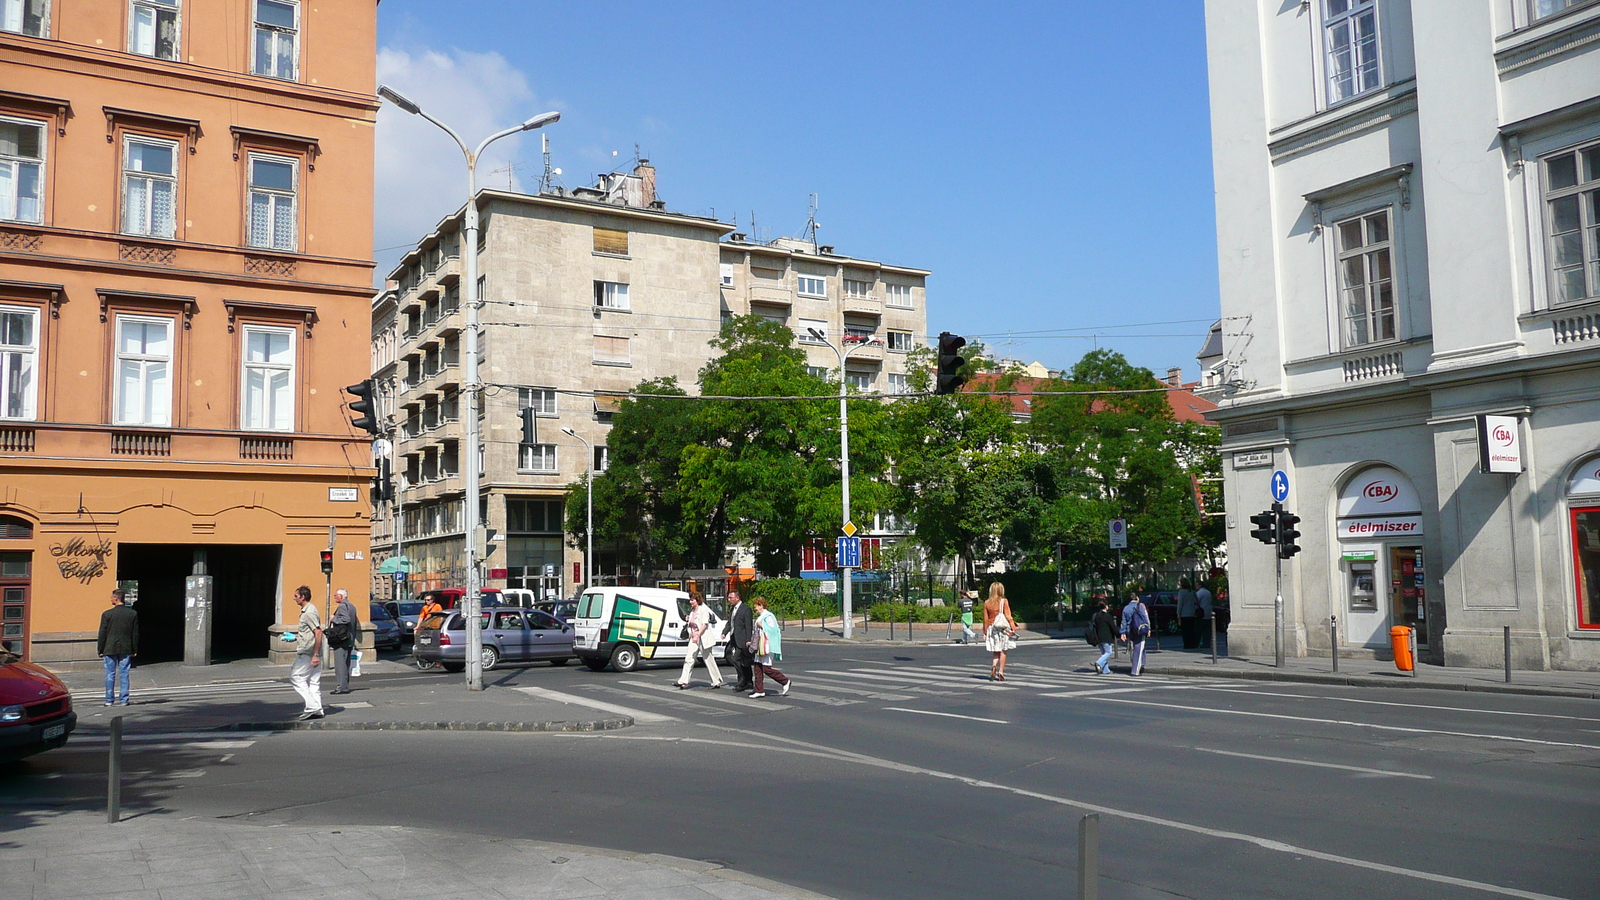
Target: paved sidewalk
[
  {"x": 252, "y": 696},
  {"x": 162, "y": 857},
  {"x": 1376, "y": 673}
]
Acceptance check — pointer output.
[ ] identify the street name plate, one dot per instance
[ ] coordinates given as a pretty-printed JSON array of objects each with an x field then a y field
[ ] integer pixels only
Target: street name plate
[
  {"x": 828, "y": 587},
  {"x": 1252, "y": 459},
  {"x": 342, "y": 494}
]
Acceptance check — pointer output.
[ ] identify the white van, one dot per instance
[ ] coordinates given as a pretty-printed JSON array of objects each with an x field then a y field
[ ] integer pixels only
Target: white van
[{"x": 623, "y": 626}]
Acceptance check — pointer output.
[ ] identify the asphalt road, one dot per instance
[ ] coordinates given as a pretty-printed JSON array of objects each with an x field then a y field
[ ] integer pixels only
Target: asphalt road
[{"x": 905, "y": 773}]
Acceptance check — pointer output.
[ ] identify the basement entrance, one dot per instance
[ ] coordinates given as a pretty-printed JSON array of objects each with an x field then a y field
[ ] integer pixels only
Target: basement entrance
[{"x": 244, "y": 597}]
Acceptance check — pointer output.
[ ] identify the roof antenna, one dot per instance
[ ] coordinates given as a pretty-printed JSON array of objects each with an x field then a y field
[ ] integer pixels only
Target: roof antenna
[
  {"x": 550, "y": 175},
  {"x": 810, "y": 233}
]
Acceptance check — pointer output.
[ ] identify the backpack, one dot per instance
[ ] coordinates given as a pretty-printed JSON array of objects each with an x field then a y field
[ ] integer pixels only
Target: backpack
[
  {"x": 1091, "y": 635},
  {"x": 1138, "y": 622}
]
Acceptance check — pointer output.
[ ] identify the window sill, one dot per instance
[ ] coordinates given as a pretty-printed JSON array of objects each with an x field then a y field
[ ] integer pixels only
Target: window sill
[
  {"x": 1357, "y": 352},
  {"x": 618, "y": 365},
  {"x": 536, "y": 472},
  {"x": 1365, "y": 111},
  {"x": 1589, "y": 305},
  {"x": 610, "y": 255},
  {"x": 611, "y": 309}
]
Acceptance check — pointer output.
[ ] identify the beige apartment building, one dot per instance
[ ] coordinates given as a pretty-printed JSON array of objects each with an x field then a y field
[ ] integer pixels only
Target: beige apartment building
[{"x": 586, "y": 293}]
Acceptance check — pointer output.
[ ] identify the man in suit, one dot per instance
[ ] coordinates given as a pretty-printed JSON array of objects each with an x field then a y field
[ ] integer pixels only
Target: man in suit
[
  {"x": 742, "y": 642},
  {"x": 118, "y": 644}
]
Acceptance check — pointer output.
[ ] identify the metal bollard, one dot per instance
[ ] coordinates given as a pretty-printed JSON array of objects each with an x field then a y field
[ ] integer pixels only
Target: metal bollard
[
  {"x": 1411, "y": 640},
  {"x": 114, "y": 774},
  {"x": 1333, "y": 648},
  {"x": 1213, "y": 638},
  {"x": 910, "y": 635},
  {"x": 1508, "y": 653},
  {"x": 891, "y": 626},
  {"x": 1089, "y": 857},
  {"x": 866, "y": 622},
  {"x": 949, "y": 626}
]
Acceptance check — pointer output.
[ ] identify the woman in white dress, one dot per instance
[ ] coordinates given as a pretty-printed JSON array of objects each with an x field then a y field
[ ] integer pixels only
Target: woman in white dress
[{"x": 999, "y": 629}]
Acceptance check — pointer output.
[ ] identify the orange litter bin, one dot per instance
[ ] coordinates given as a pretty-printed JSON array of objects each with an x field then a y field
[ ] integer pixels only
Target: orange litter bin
[{"x": 1400, "y": 640}]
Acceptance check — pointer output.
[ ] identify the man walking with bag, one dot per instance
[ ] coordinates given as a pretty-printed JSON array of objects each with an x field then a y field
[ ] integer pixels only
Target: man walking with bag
[
  {"x": 742, "y": 642},
  {"x": 118, "y": 644},
  {"x": 344, "y": 629},
  {"x": 1135, "y": 629},
  {"x": 306, "y": 675}
]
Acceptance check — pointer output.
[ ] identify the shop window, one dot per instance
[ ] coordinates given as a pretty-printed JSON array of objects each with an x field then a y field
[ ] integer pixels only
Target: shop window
[{"x": 1586, "y": 564}]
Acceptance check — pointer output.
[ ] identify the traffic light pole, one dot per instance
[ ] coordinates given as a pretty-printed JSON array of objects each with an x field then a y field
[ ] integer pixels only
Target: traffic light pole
[
  {"x": 844, "y": 473},
  {"x": 1277, "y": 610}
]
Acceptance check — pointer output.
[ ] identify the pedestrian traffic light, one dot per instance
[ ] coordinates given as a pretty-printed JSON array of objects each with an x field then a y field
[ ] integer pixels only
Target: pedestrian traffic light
[
  {"x": 949, "y": 378},
  {"x": 327, "y": 561},
  {"x": 1287, "y": 534},
  {"x": 367, "y": 419},
  {"x": 1266, "y": 530}
]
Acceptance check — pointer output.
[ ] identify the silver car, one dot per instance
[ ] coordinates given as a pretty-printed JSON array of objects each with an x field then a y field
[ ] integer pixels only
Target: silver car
[{"x": 509, "y": 635}]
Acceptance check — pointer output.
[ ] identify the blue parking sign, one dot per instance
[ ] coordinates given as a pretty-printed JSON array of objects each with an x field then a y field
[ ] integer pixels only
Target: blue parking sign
[
  {"x": 399, "y": 578},
  {"x": 849, "y": 552}
]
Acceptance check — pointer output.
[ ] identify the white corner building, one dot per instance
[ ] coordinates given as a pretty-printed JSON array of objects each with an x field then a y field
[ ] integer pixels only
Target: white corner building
[{"x": 1408, "y": 233}]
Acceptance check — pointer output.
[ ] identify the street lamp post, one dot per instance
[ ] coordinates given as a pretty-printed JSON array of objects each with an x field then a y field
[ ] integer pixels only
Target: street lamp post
[
  {"x": 588, "y": 499},
  {"x": 844, "y": 461},
  {"x": 469, "y": 254}
]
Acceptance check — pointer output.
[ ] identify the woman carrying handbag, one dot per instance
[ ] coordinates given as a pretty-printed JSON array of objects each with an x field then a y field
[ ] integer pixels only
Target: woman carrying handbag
[
  {"x": 769, "y": 649},
  {"x": 999, "y": 629}
]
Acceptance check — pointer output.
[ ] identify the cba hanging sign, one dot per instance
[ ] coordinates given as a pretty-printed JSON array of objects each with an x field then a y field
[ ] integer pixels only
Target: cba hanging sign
[{"x": 1500, "y": 444}]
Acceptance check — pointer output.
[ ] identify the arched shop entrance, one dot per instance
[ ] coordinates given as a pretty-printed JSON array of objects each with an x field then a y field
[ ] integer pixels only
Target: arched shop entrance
[
  {"x": 1583, "y": 506},
  {"x": 1380, "y": 561}
]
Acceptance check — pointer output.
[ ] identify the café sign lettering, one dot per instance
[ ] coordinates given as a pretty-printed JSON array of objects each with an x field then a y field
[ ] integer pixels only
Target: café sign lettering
[{"x": 81, "y": 560}]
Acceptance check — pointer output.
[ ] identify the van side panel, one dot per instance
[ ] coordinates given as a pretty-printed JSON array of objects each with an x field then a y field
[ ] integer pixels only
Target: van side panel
[{"x": 637, "y": 621}]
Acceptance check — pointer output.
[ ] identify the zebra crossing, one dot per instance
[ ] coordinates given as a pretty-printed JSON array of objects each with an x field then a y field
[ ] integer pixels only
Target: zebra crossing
[{"x": 846, "y": 684}]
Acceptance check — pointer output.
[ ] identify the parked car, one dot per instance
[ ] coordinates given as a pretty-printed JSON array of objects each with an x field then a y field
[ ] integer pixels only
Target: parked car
[
  {"x": 565, "y": 610},
  {"x": 385, "y": 630},
  {"x": 35, "y": 709},
  {"x": 623, "y": 626},
  {"x": 1163, "y": 607},
  {"x": 404, "y": 613},
  {"x": 510, "y": 634}
]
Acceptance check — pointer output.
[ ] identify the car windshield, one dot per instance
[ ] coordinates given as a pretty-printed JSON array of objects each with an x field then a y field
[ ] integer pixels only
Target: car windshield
[
  {"x": 433, "y": 621},
  {"x": 409, "y": 608},
  {"x": 377, "y": 613}
]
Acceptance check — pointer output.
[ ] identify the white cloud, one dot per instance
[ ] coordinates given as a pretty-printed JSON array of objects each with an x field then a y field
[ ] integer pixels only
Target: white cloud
[{"x": 421, "y": 173}]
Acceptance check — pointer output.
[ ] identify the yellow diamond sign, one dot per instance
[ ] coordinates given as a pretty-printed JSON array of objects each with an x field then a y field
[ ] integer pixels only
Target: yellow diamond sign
[{"x": 850, "y": 529}]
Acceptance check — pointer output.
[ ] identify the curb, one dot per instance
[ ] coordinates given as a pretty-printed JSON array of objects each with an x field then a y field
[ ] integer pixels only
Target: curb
[
  {"x": 1367, "y": 681},
  {"x": 324, "y": 725}
]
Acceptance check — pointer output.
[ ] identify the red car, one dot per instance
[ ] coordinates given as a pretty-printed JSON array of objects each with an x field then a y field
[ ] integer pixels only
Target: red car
[{"x": 35, "y": 710}]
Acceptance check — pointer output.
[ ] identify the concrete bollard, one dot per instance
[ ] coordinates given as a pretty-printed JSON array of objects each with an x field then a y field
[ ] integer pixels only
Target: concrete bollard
[
  {"x": 1089, "y": 857},
  {"x": 114, "y": 774}
]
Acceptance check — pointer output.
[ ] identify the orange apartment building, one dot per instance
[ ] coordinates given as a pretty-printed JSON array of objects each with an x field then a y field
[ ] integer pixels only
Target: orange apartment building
[{"x": 185, "y": 281}]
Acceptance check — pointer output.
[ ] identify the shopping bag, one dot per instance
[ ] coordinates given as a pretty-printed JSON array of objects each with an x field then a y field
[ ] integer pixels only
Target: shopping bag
[{"x": 355, "y": 663}]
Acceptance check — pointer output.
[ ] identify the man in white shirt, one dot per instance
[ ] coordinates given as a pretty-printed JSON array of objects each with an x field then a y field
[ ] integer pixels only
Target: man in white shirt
[{"x": 306, "y": 675}]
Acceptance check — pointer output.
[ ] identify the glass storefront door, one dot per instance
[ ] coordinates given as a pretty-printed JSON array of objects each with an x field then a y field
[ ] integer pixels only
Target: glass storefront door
[
  {"x": 1407, "y": 590},
  {"x": 14, "y": 584}
]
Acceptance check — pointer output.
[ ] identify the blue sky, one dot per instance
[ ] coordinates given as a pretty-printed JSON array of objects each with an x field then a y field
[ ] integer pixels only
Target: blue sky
[{"x": 1049, "y": 162}]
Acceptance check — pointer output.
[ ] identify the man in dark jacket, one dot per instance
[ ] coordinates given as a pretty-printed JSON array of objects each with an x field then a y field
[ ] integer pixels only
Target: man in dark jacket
[
  {"x": 742, "y": 642},
  {"x": 117, "y": 645},
  {"x": 1105, "y": 635}
]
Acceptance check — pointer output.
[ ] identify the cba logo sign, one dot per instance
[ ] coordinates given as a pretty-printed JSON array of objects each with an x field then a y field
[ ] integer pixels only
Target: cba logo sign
[
  {"x": 1503, "y": 435},
  {"x": 1381, "y": 491}
]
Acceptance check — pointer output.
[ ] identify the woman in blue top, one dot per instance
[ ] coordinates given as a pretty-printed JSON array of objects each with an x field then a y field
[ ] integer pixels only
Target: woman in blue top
[{"x": 769, "y": 649}]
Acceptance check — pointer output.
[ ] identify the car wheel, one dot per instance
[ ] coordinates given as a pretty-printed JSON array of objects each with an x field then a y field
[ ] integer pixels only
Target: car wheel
[
  {"x": 561, "y": 661},
  {"x": 625, "y": 658},
  {"x": 489, "y": 657},
  {"x": 596, "y": 665},
  {"x": 454, "y": 667}
]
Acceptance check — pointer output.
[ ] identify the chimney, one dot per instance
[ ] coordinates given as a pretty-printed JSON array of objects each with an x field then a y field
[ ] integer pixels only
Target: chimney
[
  {"x": 647, "y": 182},
  {"x": 1175, "y": 376}
]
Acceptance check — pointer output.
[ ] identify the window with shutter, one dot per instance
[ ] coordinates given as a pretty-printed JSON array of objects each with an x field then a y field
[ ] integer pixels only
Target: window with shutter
[{"x": 610, "y": 240}]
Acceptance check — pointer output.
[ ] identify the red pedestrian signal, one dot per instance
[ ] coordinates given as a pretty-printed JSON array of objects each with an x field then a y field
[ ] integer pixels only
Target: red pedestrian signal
[{"x": 327, "y": 561}]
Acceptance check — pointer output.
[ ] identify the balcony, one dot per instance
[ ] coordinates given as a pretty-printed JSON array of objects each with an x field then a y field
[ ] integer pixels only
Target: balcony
[
  {"x": 772, "y": 296},
  {"x": 863, "y": 346},
  {"x": 863, "y": 306}
]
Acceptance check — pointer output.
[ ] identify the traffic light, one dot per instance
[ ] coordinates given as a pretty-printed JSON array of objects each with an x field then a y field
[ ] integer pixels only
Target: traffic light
[
  {"x": 366, "y": 420},
  {"x": 530, "y": 426},
  {"x": 949, "y": 380},
  {"x": 383, "y": 484},
  {"x": 1266, "y": 530},
  {"x": 1287, "y": 534},
  {"x": 327, "y": 561}
]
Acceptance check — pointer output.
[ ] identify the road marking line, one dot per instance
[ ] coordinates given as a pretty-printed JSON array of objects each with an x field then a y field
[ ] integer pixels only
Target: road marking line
[
  {"x": 1321, "y": 765},
  {"x": 148, "y": 737},
  {"x": 1496, "y": 712},
  {"x": 356, "y": 704},
  {"x": 636, "y": 696},
  {"x": 1468, "y": 734},
  {"x": 814, "y": 683},
  {"x": 898, "y": 679},
  {"x": 1263, "y": 843},
  {"x": 638, "y": 715},
  {"x": 716, "y": 698},
  {"x": 1137, "y": 690},
  {"x": 166, "y": 745},
  {"x": 929, "y": 712}
]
